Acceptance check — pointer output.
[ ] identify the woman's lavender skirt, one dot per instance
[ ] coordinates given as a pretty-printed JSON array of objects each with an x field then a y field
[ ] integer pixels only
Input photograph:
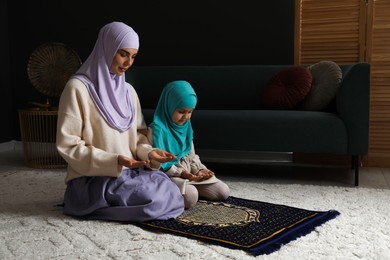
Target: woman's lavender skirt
[{"x": 136, "y": 195}]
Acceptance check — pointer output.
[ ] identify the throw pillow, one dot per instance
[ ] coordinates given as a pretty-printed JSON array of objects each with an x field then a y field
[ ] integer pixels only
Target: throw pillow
[
  {"x": 287, "y": 88},
  {"x": 326, "y": 81}
]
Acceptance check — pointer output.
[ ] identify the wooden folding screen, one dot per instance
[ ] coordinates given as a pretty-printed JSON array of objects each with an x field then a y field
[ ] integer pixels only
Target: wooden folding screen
[{"x": 352, "y": 31}]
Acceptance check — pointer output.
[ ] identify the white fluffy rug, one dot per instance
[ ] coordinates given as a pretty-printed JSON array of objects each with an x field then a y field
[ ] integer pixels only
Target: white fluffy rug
[{"x": 32, "y": 227}]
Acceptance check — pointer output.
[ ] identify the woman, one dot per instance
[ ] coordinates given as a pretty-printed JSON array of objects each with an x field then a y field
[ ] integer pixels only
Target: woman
[
  {"x": 97, "y": 134},
  {"x": 171, "y": 130}
]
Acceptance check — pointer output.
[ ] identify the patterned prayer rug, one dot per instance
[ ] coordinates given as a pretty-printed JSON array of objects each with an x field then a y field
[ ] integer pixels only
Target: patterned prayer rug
[{"x": 254, "y": 226}]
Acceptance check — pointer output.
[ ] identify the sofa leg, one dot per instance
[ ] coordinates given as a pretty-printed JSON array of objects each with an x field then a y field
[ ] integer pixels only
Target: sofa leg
[{"x": 355, "y": 166}]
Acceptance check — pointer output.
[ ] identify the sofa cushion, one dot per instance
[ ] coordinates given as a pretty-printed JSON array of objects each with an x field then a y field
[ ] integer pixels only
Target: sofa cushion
[
  {"x": 270, "y": 130},
  {"x": 326, "y": 81},
  {"x": 287, "y": 88}
]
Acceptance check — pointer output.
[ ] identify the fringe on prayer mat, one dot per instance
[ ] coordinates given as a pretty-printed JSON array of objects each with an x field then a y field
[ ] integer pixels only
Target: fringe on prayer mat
[{"x": 254, "y": 226}]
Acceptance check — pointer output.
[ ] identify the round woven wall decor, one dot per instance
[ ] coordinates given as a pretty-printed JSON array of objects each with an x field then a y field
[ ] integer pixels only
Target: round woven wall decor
[{"x": 50, "y": 66}]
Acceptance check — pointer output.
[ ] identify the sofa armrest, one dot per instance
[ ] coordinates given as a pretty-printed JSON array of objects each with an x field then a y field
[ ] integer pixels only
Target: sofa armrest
[{"x": 353, "y": 105}]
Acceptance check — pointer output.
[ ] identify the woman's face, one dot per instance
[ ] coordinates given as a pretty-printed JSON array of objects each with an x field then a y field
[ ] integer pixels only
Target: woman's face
[
  {"x": 123, "y": 60},
  {"x": 182, "y": 115}
]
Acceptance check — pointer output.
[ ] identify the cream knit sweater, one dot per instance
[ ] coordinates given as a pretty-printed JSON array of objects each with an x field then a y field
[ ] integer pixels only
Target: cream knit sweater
[{"x": 87, "y": 143}]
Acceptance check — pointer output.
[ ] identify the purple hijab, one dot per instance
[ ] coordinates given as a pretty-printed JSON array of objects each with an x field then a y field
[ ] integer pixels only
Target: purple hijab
[{"x": 109, "y": 91}]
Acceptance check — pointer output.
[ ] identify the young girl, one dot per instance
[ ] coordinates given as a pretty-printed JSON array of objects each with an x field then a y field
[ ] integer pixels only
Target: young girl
[
  {"x": 97, "y": 134},
  {"x": 171, "y": 131}
]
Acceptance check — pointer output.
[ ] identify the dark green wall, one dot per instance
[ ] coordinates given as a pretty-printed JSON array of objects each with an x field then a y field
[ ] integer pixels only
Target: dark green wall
[
  {"x": 217, "y": 32},
  {"x": 7, "y": 108}
]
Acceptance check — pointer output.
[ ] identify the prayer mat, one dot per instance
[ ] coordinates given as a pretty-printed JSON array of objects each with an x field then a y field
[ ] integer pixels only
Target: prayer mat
[{"x": 254, "y": 226}]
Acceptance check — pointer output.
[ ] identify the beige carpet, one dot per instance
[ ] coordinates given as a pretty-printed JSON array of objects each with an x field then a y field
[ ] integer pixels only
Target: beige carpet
[{"x": 32, "y": 227}]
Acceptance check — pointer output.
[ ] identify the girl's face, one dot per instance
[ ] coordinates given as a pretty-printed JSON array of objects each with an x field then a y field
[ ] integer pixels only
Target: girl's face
[
  {"x": 182, "y": 115},
  {"x": 123, "y": 60}
]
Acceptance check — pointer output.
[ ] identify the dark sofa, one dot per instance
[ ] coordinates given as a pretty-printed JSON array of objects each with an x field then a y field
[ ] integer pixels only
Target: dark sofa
[{"x": 230, "y": 117}]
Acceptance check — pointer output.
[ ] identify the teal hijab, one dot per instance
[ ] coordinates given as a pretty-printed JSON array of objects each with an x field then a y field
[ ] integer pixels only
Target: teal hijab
[{"x": 167, "y": 135}]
